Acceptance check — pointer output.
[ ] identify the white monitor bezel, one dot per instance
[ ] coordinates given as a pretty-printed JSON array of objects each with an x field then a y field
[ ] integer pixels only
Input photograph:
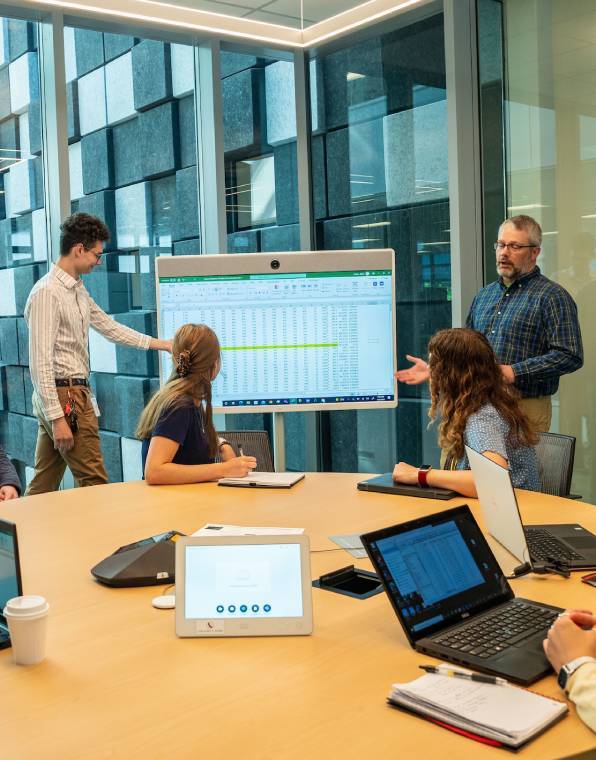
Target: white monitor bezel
[
  {"x": 217, "y": 627},
  {"x": 302, "y": 261}
]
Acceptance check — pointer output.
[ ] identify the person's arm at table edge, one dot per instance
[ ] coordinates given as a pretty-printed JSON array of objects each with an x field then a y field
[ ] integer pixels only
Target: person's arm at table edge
[
  {"x": 8, "y": 476},
  {"x": 161, "y": 470},
  {"x": 461, "y": 481}
]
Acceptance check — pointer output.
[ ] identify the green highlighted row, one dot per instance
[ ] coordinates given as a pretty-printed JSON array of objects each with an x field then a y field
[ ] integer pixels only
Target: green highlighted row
[{"x": 280, "y": 345}]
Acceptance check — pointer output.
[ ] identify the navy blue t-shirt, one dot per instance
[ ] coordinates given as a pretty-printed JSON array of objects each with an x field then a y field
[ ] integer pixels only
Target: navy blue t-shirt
[{"x": 184, "y": 425}]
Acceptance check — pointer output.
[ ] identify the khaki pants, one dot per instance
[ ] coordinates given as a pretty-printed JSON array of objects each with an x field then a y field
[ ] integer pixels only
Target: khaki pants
[
  {"x": 539, "y": 411},
  {"x": 84, "y": 460}
]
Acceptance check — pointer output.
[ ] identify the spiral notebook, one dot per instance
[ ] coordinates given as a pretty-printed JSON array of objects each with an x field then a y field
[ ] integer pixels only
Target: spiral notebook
[{"x": 504, "y": 715}]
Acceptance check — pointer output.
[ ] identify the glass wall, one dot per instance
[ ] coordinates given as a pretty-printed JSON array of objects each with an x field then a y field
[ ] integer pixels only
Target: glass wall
[
  {"x": 551, "y": 174},
  {"x": 379, "y": 152},
  {"x": 379, "y": 166},
  {"x": 132, "y": 151},
  {"x": 259, "y": 135},
  {"x": 23, "y": 247}
]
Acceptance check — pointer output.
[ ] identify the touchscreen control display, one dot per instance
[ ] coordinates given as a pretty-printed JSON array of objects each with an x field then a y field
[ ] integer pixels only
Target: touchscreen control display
[{"x": 243, "y": 581}]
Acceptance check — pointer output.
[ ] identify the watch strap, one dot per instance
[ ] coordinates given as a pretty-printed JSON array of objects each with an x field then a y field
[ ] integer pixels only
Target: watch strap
[
  {"x": 570, "y": 668},
  {"x": 422, "y": 475}
]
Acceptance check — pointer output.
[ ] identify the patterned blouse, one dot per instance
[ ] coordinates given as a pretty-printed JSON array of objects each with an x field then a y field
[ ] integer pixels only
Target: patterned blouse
[{"x": 486, "y": 430}]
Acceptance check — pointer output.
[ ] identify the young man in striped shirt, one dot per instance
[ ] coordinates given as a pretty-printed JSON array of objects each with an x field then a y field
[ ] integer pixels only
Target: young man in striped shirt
[{"x": 59, "y": 312}]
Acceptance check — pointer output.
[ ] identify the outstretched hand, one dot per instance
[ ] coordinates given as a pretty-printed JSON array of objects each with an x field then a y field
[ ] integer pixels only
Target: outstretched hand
[{"x": 416, "y": 374}]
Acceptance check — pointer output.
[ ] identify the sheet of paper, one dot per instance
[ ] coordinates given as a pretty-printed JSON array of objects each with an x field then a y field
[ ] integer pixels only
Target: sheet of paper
[
  {"x": 352, "y": 544},
  {"x": 217, "y": 529}
]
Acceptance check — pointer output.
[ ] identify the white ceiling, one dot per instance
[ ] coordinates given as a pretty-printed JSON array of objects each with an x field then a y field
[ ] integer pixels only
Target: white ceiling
[
  {"x": 287, "y": 23},
  {"x": 297, "y": 14}
]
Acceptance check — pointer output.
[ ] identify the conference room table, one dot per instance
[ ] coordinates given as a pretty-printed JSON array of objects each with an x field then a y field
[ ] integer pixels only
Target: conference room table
[{"x": 118, "y": 683}]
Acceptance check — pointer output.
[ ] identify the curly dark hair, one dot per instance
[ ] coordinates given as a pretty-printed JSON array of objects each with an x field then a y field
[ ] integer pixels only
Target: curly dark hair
[
  {"x": 464, "y": 376},
  {"x": 81, "y": 228}
]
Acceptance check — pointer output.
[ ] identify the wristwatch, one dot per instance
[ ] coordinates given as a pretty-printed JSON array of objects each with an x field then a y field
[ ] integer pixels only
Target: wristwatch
[
  {"x": 423, "y": 471},
  {"x": 569, "y": 669}
]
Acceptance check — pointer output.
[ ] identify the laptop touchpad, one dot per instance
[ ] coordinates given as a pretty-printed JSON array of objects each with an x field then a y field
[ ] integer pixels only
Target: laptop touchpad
[{"x": 580, "y": 542}]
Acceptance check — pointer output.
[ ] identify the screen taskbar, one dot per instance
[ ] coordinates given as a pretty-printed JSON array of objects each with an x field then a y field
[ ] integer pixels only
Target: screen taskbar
[{"x": 308, "y": 400}]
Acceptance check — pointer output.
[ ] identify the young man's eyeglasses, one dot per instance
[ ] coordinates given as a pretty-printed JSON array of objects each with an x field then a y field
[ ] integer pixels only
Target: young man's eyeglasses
[
  {"x": 500, "y": 246},
  {"x": 97, "y": 254}
]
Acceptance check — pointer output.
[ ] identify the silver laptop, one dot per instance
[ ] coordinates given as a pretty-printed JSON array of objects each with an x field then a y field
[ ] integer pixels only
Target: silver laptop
[
  {"x": 10, "y": 574},
  {"x": 570, "y": 544}
]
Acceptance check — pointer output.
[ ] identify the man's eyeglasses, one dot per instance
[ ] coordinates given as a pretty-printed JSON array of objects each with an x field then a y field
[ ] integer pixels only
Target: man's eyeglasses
[
  {"x": 500, "y": 246},
  {"x": 97, "y": 254}
]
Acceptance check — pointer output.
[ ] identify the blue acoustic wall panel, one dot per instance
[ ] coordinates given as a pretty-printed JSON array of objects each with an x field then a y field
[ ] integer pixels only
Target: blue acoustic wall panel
[
  {"x": 98, "y": 161},
  {"x": 152, "y": 74}
]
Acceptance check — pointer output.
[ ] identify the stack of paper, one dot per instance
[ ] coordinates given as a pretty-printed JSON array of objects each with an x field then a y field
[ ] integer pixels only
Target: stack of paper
[{"x": 505, "y": 714}]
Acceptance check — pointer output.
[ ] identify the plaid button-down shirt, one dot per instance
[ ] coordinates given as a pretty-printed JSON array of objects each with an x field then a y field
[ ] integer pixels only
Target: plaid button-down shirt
[{"x": 533, "y": 326}]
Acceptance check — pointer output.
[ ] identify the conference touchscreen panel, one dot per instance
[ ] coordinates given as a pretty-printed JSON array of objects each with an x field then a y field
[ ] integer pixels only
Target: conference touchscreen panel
[
  {"x": 246, "y": 581},
  {"x": 316, "y": 332}
]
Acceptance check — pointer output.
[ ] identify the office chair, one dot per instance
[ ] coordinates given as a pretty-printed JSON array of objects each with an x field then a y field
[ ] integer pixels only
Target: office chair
[
  {"x": 555, "y": 463},
  {"x": 254, "y": 443}
]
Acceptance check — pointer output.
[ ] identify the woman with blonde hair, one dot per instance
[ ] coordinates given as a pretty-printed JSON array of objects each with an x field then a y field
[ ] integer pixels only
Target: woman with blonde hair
[
  {"x": 478, "y": 409},
  {"x": 176, "y": 426}
]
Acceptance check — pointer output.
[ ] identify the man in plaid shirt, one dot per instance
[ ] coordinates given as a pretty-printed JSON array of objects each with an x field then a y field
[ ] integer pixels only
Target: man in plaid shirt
[{"x": 530, "y": 321}]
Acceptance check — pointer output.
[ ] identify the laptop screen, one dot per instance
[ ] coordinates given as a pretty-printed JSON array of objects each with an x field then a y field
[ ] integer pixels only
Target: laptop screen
[
  {"x": 437, "y": 570},
  {"x": 10, "y": 577},
  {"x": 243, "y": 581}
]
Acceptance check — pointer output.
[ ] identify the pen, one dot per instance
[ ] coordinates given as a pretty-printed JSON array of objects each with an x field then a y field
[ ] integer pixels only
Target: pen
[
  {"x": 443, "y": 671},
  {"x": 240, "y": 450}
]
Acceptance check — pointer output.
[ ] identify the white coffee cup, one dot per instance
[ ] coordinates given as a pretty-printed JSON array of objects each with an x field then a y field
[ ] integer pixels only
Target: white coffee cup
[{"x": 27, "y": 618}]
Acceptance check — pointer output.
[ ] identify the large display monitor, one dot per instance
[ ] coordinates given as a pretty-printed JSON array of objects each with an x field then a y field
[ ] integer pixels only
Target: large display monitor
[{"x": 298, "y": 331}]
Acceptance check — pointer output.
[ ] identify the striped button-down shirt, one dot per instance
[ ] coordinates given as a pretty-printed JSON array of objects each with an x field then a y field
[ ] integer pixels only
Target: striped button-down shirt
[
  {"x": 59, "y": 311},
  {"x": 533, "y": 326}
]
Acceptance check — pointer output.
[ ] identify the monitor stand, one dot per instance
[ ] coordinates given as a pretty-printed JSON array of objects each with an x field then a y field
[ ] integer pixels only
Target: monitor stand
[{"x": 279, "y": 441}]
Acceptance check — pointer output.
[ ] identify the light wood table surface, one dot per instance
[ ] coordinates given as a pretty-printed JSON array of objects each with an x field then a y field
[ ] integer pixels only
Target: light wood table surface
[{"x": 117, "y": 683}]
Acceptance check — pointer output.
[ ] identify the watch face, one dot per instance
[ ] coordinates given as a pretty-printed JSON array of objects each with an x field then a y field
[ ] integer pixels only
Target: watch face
[{"x": 562, "y": 678}]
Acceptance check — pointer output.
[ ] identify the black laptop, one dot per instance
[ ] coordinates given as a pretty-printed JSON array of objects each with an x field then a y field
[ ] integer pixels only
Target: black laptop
[
  {"x": 386, "y": 484},
  {"x": 10, "y": 574},
  {"x": 452, "y": 598}
]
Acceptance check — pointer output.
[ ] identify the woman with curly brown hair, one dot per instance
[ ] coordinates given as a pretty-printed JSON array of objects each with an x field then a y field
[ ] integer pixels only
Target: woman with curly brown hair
[
  {"x": 478, "y": 409},
  {"x": 176, "y": 426}
]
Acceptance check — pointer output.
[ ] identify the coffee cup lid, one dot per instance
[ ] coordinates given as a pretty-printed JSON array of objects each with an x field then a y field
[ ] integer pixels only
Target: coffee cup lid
[{"x": 25, "y": 605}]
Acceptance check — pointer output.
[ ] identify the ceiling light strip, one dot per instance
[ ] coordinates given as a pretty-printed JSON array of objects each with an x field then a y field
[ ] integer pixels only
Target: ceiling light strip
[{"x": 222, "y": 24}]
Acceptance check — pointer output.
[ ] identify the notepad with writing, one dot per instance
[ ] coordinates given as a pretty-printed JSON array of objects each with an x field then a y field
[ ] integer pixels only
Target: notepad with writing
[{"x": 506, "y": 715}]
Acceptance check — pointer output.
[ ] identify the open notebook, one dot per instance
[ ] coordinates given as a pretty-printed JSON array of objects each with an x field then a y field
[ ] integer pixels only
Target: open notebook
[{"x": 508, "y": 715}]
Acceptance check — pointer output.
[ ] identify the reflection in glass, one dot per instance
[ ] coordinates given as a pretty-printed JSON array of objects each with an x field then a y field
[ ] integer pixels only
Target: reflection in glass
[
  {"x": 379, "y": 147},
  {"x": 132, "y": 151}
]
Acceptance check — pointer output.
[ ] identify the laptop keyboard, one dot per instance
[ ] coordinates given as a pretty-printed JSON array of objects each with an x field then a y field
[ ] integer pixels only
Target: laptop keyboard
[
  {"x": 543, "y": 545},
  {"x": 499, "y": 630}
]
